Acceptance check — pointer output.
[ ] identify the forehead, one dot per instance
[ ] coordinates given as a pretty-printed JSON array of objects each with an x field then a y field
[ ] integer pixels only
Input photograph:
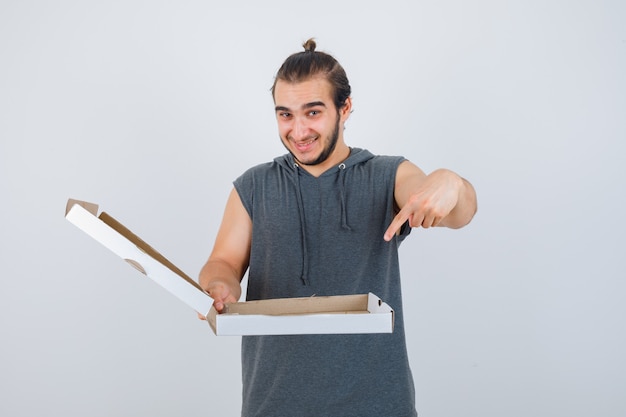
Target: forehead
[{"x": 298, "y": 94}]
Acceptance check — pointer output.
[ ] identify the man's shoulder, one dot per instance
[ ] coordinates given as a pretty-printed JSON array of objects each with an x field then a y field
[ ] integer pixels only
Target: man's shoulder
[
  {"x": 366, "y": 158},
  {"x": 385, "y": 161},
  {"x": 265, "y": 168}
]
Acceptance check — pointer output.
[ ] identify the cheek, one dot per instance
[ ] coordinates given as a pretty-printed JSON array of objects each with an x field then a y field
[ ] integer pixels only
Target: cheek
[
  {"x": 283, "y": 134},
  {"x": 283, "y": 130}
]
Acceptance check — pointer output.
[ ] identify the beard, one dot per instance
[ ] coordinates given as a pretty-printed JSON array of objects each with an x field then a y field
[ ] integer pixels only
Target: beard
[{"x": 328, "y": 148}]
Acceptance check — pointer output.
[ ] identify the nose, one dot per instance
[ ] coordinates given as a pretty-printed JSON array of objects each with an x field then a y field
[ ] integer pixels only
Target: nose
[{"x": 300, "y": 129}]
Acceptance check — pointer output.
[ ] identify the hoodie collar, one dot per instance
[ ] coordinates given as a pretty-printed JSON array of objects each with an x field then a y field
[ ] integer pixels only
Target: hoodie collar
[{"x": 356, "y": 156}]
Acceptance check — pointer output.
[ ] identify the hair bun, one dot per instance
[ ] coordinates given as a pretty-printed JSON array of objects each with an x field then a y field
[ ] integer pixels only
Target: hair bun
[{"x": 309, "y": 45}]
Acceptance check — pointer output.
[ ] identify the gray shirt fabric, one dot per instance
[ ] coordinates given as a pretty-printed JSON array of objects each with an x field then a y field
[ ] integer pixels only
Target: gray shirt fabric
[{"x": 324, "y": 236}]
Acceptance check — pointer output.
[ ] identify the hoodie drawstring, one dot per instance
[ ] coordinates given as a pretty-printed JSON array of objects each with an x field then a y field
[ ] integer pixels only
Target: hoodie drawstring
[
  {"x": 305, "y": 256},
  {"x": 342, "y": 187}
]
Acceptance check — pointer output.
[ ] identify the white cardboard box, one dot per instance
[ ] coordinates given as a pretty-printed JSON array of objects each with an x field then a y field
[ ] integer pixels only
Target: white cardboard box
[{"x": 360, "y": 313}]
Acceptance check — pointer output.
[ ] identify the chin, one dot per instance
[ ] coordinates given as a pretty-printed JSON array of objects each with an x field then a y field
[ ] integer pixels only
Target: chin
[{"x": 304, "y": 160}]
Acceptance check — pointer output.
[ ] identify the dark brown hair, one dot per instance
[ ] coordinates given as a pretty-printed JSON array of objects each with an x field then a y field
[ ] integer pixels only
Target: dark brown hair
[{"x": 309, "y": 63}]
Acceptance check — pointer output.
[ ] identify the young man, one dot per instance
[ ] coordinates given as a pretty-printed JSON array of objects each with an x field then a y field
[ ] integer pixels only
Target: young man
[{"x": 326, "y": 219}]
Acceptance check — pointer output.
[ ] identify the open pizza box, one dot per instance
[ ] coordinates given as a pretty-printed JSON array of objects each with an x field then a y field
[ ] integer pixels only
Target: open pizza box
[{"x": 359, "y": 313}]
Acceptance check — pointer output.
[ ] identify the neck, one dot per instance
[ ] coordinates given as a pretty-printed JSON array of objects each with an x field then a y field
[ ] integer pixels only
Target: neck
[{"x": 340, "y": 154}]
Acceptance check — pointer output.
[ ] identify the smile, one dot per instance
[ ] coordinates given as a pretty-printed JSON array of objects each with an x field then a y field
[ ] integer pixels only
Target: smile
[{"x": 306, "y": 143}]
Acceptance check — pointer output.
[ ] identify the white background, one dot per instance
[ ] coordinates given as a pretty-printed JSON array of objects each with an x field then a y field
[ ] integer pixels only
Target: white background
[{"x": 152, "y": 108}]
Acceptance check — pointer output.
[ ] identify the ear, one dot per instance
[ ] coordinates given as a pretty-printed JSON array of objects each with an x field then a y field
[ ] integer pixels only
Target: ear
[{"x": 346, "y": 109}]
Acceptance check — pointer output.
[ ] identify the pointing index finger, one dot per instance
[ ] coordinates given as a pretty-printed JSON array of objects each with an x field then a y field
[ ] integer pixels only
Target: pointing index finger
[{"x": 395, "y": 225}]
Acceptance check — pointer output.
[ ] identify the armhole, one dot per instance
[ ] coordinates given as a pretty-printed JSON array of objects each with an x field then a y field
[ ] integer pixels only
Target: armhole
[
  {"x": 405, "y": 230},
  {"x": 240, "y": 189}
]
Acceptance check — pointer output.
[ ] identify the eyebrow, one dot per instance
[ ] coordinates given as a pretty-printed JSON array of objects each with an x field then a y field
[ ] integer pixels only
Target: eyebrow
[{"x": 304, "y": 106}]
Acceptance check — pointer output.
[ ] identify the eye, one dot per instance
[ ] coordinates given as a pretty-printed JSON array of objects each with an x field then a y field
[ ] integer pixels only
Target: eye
[
  {"x": 314, "y": 112},
  {"x": 284, "y": 115}
]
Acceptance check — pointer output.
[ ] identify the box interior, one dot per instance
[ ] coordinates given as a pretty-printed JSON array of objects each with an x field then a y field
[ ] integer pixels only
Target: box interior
[{"x": 309, "y": 305}]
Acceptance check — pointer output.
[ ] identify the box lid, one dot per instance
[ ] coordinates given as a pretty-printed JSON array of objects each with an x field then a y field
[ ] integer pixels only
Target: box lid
[{"x": 115, "y": 236}]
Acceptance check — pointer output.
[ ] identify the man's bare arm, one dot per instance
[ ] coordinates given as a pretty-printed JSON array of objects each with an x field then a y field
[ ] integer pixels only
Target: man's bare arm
[
  {"x": 441, "y": 198},
  {"x": 221, "y": 275}
]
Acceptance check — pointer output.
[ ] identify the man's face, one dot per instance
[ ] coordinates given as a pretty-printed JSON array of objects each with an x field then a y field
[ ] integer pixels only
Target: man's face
[{"x": 308, "y": 122}]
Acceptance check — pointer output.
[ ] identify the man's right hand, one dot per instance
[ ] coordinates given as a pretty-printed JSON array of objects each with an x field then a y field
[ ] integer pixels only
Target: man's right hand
[{"x": 222, "y": 293}]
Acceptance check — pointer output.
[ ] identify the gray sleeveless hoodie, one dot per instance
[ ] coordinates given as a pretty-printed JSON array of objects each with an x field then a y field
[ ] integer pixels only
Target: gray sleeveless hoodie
[{"x": 324, "y": 236}]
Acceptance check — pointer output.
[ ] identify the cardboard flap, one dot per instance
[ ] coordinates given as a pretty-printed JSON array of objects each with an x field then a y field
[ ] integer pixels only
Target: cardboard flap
[
  {"x": 90, "y": 207},
  {"x": 136, "y": 265},
  {"x": 376, "y": 305}
]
